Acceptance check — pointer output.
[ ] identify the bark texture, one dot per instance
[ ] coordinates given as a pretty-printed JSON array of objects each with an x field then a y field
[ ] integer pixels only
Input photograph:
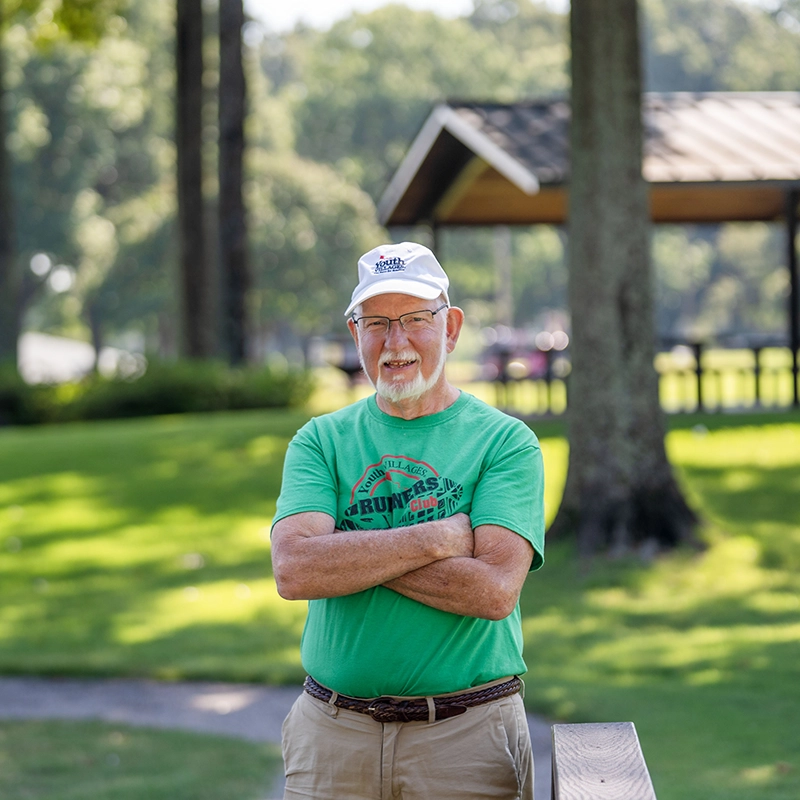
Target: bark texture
[
  {"x": 10, "y": 289},
  {"x": 621, "y": 493},
  {"x": 232, "y": 215},
  {"x": 198, "y": 327}
]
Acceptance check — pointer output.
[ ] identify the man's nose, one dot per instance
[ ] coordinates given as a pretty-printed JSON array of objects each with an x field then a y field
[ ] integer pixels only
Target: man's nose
[{"x": 396, "y": 332}]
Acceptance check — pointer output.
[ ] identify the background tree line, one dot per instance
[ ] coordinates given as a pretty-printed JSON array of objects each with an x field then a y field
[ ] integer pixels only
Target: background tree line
[{"x": 91, "y": 144}]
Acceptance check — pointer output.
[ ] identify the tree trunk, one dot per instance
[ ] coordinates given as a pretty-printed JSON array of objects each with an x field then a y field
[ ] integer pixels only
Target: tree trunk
[
  {"x": 198, "y": 327},
  {"x": 620, "y": 493},
  {"x": 93, "y": 317},
  {"x": 10, "y": 313},
  {"x": 232, "y": 218}
]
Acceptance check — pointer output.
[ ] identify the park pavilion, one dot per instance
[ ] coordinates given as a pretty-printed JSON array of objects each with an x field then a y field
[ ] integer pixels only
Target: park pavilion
[{"x": 708, "y": 158}]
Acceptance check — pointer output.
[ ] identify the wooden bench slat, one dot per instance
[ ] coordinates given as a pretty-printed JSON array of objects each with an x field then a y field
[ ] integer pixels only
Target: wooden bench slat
[{"x": 599, "y": 761}]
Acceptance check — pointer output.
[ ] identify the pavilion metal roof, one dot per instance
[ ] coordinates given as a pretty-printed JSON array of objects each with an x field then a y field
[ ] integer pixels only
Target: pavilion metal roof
[{"x": 710, "y": 157}]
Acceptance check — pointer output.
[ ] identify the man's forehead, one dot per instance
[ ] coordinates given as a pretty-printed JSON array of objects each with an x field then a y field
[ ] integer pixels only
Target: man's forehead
[{"x": 393, "y": 300}]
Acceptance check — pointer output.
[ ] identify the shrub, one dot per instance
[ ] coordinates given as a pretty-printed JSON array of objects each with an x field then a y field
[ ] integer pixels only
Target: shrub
[
  {"x": 24, "y": 404},
  {"x": 175, "y": 388}
]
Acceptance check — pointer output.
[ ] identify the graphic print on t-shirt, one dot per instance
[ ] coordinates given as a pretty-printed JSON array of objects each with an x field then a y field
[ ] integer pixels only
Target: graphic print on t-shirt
[{"x": 398, "y": 491}]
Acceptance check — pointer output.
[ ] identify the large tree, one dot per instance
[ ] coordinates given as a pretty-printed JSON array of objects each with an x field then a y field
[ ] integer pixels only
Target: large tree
[
  {"x": 198, "y": 326},
  {"x": 232, "y": 218},
  {"x": 620, "y": 493}
]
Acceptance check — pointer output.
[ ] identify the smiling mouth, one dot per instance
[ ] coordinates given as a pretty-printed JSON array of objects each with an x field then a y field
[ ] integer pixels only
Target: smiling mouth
[{"x": 399, "y": 359}]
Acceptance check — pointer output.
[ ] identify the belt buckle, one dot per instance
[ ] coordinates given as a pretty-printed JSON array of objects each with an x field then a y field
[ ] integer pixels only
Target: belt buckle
[{"x": 388, "y": 709}]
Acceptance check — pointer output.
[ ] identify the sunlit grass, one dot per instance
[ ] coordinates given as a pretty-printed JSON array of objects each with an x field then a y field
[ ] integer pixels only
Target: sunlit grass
[{"x": 555, "y": 453}]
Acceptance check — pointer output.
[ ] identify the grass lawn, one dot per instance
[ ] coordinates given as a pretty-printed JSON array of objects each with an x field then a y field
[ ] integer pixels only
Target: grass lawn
[
  {"x": 702, "y": 652},
  {"x": 141, "y": 548},
  {"x": 82, "y": 760}
]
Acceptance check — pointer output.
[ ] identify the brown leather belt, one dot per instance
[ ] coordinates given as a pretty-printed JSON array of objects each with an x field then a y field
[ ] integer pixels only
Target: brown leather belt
[{"x": 393, "y": 709}]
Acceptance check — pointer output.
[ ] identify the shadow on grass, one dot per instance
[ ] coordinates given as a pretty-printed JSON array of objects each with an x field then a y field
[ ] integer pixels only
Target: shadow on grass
[
  {"x": 754, "y": 500},
  {"x": 700, "y": 651},
  {"x": 72, "y": 638},
  {"x": 98, "y": 761}
]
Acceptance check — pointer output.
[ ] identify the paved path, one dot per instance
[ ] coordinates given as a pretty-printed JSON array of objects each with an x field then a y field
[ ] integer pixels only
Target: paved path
[{"x": 245, "y": 711}]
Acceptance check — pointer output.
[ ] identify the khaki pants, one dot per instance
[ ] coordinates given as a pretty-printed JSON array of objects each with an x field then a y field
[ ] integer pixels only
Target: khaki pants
[{"x": 333, "y": 754}]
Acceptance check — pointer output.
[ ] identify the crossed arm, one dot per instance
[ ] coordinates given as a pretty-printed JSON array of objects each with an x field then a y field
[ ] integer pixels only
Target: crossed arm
[{"x": 445, "y": 563}]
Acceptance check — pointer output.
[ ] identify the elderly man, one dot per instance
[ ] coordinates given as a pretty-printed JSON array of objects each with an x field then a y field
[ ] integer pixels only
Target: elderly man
[{"x": 409, "y": 521}]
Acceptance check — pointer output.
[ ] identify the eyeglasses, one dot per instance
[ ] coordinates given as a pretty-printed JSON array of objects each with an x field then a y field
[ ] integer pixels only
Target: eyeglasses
[{"x": 413, "y": 322}]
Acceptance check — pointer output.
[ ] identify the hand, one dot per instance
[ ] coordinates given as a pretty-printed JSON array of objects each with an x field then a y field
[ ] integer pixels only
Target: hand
[{"x": 460, "y": 536}]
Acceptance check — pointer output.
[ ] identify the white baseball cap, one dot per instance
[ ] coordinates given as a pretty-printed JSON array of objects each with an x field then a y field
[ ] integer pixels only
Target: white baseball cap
[{"x": 405, "y": 268}]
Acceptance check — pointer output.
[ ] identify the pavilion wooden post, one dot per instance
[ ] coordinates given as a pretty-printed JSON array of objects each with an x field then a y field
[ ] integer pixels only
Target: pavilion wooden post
[
  {"x": 792, "y": 199},
  {"x": 504, "y": 298},
  {"x": 436, "y": 240}
]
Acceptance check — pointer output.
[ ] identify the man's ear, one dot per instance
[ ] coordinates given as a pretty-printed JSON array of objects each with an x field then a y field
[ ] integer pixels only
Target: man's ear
[
  {"x": 353, "y": 332},
  {"x": 455, "y": 321}
]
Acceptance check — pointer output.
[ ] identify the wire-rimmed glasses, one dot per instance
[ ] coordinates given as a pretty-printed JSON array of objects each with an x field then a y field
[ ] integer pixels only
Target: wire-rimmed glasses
[{"x": 413, "y": 322}]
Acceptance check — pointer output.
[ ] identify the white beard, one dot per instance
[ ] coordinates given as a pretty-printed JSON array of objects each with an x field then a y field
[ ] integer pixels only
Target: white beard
[{"x": 401, "y": 390}]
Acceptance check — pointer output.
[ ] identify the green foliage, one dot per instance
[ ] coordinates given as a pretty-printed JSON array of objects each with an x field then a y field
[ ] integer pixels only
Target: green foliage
[
  {"x": 90, "y": 136},
  {"x": 100, "y": 761},
  {"x": 361, "y": 92},
  {"x": 165, "y": 388},
  {"x": 540, "y": 277},
  {"x": 85, "y": 20},
  {"x": 720, "y": 45},
  {"x": 80, "y": 20},
  {"x": 538, "y": 274},
  {"x": 309, "y": 227},
  {"x": 713, "y": 281}
]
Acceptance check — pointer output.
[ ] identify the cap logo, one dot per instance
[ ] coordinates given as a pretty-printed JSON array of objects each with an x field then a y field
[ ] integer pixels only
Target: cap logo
[{"x": 385, "y": 265}]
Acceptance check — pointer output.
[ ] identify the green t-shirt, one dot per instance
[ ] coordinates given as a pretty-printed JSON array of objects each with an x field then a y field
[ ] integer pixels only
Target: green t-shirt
[{"x": 369, "y": 470}]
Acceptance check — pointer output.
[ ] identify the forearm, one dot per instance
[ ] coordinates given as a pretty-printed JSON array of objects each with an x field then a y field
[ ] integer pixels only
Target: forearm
[
  {"x": 310, "y": 565},
  {"x": 486, "y": 585},
  {"x": 465, "y": 586},
  {"x": 346, "y": 562}
]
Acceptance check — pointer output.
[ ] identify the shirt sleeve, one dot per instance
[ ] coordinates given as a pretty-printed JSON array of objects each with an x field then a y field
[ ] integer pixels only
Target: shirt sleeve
[
  {"x": 309, "y": 483},
  {"x": 510, "y": 491}
]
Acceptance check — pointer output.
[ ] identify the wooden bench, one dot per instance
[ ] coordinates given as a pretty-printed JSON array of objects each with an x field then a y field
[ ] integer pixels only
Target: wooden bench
[{"x": 599, "y": 761}]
